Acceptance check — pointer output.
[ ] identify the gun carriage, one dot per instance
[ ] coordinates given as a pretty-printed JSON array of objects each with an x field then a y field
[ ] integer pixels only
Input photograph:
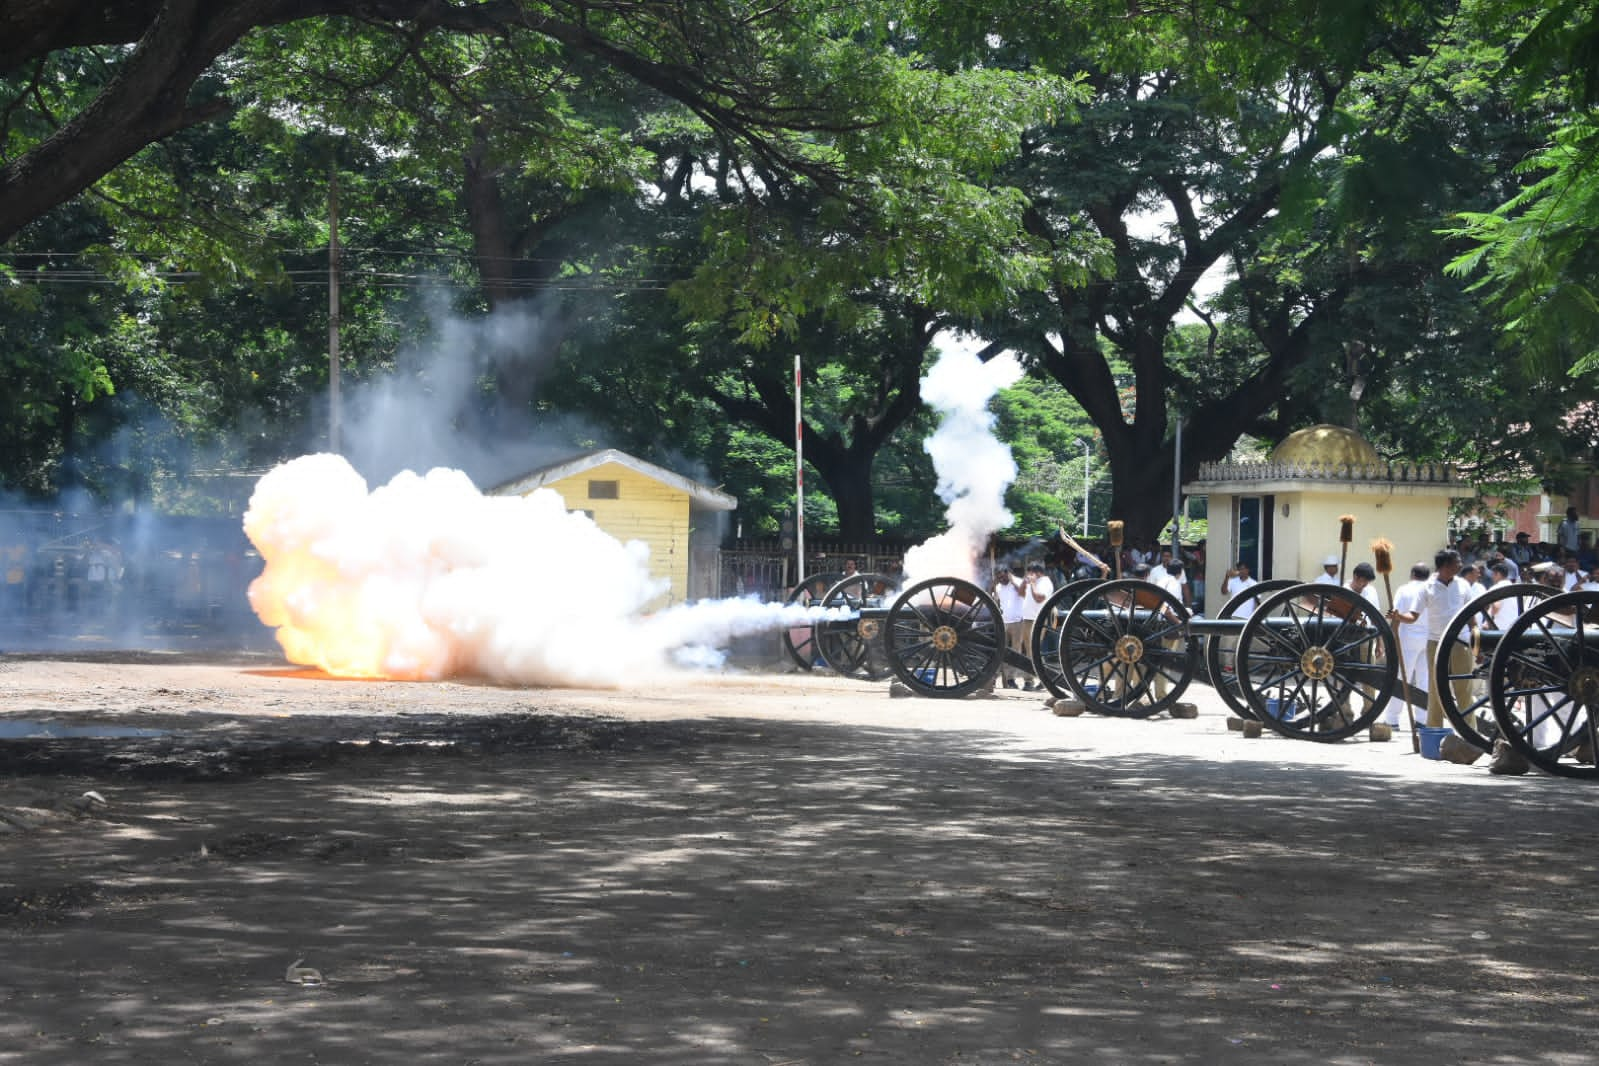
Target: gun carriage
[
  {"x": 1311, "y": 661},
  {"x": 1532, "y": 675},
  {"x": 1315, "y": 662}
]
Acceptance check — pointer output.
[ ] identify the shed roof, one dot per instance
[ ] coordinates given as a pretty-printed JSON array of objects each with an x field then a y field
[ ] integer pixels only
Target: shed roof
[{"x": 701, "y": 497}]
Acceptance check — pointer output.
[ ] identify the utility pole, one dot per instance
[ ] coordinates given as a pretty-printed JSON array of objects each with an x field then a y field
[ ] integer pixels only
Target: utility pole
[
  {"x": 1177, "y": 492},
  {"x": 1086, "y": 484},
  {"x": 799, "y": 476},
  {"x": 333, "y": 309}
]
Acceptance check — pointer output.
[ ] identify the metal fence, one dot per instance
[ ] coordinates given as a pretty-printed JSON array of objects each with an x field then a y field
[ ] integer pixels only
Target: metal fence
[{"x": 768, "y": 569}]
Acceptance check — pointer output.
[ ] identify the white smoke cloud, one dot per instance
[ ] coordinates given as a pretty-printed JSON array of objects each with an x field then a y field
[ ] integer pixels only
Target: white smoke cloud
[
  {"x": 974, "y": 467},
  {"x": 430, "y": 411},
  {"x": 425, "y": 578}
]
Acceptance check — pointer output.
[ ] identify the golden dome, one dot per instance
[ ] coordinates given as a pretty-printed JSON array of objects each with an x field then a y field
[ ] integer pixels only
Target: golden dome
[{"x": 1326, "y": 445}]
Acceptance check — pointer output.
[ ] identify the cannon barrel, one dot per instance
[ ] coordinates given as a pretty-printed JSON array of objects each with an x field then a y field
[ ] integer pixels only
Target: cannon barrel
[{"x": 1493, "y": 638}]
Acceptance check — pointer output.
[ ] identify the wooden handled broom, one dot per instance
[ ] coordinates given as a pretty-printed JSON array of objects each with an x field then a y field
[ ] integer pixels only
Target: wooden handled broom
[
  {"x": 1382, "y": 550},
  {"x": 1346, "y": 533}
]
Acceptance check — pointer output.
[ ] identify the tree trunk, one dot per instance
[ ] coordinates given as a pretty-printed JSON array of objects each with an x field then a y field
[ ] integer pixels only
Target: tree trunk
[
  {"x": 1141, "y": 489},
  {"x": 851, "y": 486}
]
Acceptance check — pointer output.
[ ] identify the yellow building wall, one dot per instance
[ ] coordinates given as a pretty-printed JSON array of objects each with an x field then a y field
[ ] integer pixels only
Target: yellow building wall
[
  {"x": 644, "y": 510},
  {"x": 1417, "y": 525}
]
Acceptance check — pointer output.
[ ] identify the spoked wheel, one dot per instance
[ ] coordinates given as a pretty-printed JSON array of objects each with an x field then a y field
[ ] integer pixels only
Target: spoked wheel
[
  {"x": 1221, "y": 652},
  {"x": 1127, "y": 649},
  {"x": 1317, "y": 662},
  {"x": 1046, "y": 645},
  {"x": 945, "y": 637},
  {"x": 1544, "y": 683},
  {"x": 800, "y": 641},
  {"x": 1465, "y": 697},
  {"x": 853, "y": 647}
]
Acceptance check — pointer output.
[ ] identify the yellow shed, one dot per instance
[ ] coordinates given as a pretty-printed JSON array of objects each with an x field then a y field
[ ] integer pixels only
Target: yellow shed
[{"x": 634, "y": 500}]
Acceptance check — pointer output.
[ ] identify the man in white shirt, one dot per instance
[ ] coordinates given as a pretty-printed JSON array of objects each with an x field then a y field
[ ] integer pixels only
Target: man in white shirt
[
  {"x": 1572, "y": 576},
  {"x": 1363, "y": 579},
  {"x": 1170, "y": 577},
  {"x": 1506, "y": 611},
  {"x": 1037, "y": 587},
  {"x": 1008, "y": 591},
  {"x": 1411, "y": 631},
  {"x": 1442, "y": 598},
  {"x": 1238, "y": 580},
  {"x": 1500, "y": 557},
  {"x": 1329, "y": 572},
  {"x": 1162, "y": 577}
]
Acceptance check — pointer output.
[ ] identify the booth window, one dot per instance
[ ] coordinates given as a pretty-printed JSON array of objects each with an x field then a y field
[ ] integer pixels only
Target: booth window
[{"x": 605, "y": 490}]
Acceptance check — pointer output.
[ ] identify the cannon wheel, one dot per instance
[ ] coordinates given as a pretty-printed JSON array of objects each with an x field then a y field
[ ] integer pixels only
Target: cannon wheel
[
  {"x": 1118, "y": 637},
  {"x": 1544, "y": 682},
  {"x": 854, "y": 647},
  {"x": 1045, "y": 641},
  {"x": 944, "y": 638},
  {"x": 1221, "y": 652},
  {"x": 800, "y": 641},
  {"x": 1318, "y": 651},
  {"x": 1468, "y": 717}
]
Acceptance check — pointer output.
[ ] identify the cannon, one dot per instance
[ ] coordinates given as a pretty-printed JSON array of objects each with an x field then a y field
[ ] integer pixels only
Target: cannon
[
  {"x": 1314, "y": 662},
  {"x": 848, "y": 645},
  {"x": 1538, "y": 678}
]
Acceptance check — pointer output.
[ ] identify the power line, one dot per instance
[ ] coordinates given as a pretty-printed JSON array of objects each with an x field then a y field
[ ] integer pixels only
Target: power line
[{"x": 373, "y": 279}]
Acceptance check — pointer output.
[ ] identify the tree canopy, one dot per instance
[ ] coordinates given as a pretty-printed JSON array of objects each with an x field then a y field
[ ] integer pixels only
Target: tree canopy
[{"x": 1170, "y": 213}]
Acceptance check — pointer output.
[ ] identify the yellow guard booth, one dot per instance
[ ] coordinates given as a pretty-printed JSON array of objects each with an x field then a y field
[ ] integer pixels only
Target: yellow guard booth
[
  {"x": 1283, "y": 515},
  {"x": 634, "y": 500}
]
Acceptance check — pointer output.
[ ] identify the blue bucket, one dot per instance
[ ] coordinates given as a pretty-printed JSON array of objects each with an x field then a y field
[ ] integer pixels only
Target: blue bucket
[
  {"x": 1432, "y": 738},
  {"x": 928, "y": 675},
  {"x": 1091, "y": 689},
  {"x": 1282, "y": 710}
]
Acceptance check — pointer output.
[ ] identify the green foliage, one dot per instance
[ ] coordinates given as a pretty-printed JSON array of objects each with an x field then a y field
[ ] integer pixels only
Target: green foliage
[
  {"x": 1536, "y": 256},
  {"x": 1044, "y": 428},
  {"x": 841, "y": 182}
]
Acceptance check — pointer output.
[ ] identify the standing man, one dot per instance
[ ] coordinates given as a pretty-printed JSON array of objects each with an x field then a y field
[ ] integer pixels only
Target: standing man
[
  {"x": 1363, "y": 582},
  {"x": 1443, "y": 596},
  {"x": 1570, "y": 576},
  {"x": 1521, "y": 552},
  {"x": 1569, "y": 533},
  {"x": 1497, "y": 557},
  {"x": 1329, "y": 572},
  {"x": 1037, "y": 589},
  {"x": 1008, "y": 590},
  {"x": 1411, "y": 628},
  {"x": 1169, "y": 576},
  {"x": 1238, "y": 580}
]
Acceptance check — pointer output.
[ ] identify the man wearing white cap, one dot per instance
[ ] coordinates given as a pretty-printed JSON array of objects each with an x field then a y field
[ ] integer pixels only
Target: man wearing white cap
[{"x": 1329, "y": 571}]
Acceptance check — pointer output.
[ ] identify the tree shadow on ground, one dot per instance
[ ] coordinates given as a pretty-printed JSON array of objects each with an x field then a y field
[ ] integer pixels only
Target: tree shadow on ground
[{"x": 764, "y": 892}]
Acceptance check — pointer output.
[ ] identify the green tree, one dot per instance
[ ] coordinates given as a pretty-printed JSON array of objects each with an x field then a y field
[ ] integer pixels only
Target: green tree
[
  {"x": 756, "y": 76},
  {"x": 1302, "y": 173}
]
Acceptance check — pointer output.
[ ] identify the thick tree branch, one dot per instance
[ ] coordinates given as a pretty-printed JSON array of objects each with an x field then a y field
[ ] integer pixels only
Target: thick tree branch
[{"x": 175, "y": 41}]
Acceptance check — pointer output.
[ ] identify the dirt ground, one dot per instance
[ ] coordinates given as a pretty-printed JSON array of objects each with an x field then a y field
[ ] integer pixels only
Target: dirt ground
[{"x": 760, "y": 868}]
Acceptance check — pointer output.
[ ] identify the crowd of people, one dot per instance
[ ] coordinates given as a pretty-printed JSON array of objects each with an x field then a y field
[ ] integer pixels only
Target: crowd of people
[{"x": 54, "y": 584}]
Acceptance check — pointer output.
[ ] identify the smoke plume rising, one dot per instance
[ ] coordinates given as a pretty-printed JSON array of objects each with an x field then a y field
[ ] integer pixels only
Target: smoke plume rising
[{"x": 974, "y": 467}]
